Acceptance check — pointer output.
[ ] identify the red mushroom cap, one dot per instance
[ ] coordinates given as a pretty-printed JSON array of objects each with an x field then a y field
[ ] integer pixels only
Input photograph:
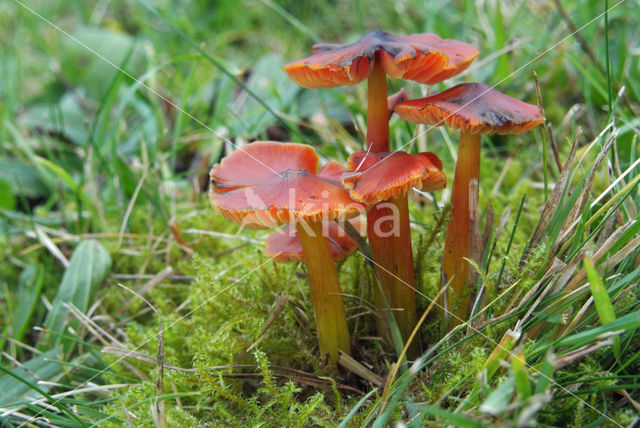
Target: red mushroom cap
[
  {"x": 425, "y": 58},
  {"x": 284, "y": 244},
  {"x": 266, "y": 184},
  {"x": 473, "y": 107},
  {"x": 376, "y": 177}
]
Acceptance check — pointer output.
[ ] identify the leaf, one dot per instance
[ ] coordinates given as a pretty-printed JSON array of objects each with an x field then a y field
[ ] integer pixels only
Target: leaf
[
  {"x": 40, "y": 368},
  {"x": 500, "y": 352},
  {"x": 599, "y": 292},
  {"x": 627, "y": 323},
  {"x": 7, "y": 200},
  {"x": 455, "y": 419},
  {"x": 64, "y": 117},
  {"x": 601, "y": 300},
  {"x": 21, "y": 178},
  {"x": 502, "y": 69},
  {"x": 499, "y": 398},
  {"x": 545, "y": 374},
  {"x": 88, "y": 267},
  {"x": 355, "y": 409},
  {"x": 521, "y": 377},
  {"x": 30, "y": 285},
  {"x": 66, "y": 178},
  {"x": 91, "y": 58},
  {"x": 271, "y": 87}
]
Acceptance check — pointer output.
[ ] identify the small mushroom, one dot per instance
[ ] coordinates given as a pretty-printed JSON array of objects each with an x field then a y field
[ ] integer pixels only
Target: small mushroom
[
  {"x": 284, "y": 245},
  {"x": 377, "y": 177},
  {"x": 267, "y": 184},
  {"x": 475, "y": 109}
]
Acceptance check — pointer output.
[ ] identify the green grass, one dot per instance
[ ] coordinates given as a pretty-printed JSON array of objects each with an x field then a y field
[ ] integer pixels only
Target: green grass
[{"x": 103, "y": 177}]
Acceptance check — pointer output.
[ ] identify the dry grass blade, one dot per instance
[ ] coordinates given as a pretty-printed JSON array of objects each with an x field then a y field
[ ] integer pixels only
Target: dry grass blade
[
  {"x": 581, "y": 352},
  {"x": 155, "y": 280},
  {"x": 633, "y": 402},
  {"x": 611, "y": 261},
  {"x": 554, "y": 147},
  {"x": 556, "y": 267},
  {"x": 177, "y": 234},
  {"x": 488, "y": 227},
  {"x": 279, "y": 305},
  {"x": 476, "y": 250},
  {"x": 147, "y": 276},
  {"x": 355, "y": 367},
  {"x": 65, "y": 237},
  {"x": 90, "y": 325},
  {"x": 551, "y": 206},
  {"x": 501, "y": 225},
  {"x": 127, "y": 214},
  {"x": 49, "y": 245},
  {"x": 127, "y": 415},
  {"x": 43, "y": 401},
  {"x": 577, "y": 278},
  {"x": 572, "y": 219}
]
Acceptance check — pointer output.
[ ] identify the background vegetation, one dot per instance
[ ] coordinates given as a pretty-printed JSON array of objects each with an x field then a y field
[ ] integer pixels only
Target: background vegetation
[{"x": 111, "y": 114}]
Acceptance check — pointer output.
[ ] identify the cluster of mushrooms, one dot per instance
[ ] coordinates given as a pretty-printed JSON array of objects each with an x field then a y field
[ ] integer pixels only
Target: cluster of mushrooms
[{"x": 268, "y": 184}]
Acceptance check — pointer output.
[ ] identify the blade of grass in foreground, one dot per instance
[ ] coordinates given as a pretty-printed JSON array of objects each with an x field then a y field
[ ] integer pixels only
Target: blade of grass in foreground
[
  {"x": 602, "y": 301},
  {"x": 88, "y": 267}
]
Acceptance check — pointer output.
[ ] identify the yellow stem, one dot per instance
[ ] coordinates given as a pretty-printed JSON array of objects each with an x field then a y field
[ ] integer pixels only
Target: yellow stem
[{"x": 326, "y": 298}]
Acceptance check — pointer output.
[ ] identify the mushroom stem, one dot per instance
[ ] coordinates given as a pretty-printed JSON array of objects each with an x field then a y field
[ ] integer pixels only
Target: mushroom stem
[
  {"x": 326, "y": 297},
  {"x": 461, "y": 241},
  {"x": 390, "y": 239},
  {"x": 377, "y": 111},
  {"x": 392, "y": 253}
]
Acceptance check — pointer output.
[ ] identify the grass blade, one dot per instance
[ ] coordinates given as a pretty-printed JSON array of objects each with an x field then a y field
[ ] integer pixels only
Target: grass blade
[
  {"x": 88, "y": 267},
  {"x": 601, "y": 300}
]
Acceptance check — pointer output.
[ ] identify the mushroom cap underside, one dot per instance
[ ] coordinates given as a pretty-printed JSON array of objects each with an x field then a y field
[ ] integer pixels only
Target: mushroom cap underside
[{"x": 475, "y": 108}]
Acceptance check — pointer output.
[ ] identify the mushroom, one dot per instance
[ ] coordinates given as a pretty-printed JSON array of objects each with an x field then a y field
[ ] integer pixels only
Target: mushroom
[
  {"x": 266, "y": 184},
  {"x": 284, "y": 245},
  {"x": 475, "y": 109},
  {"x": 425, "y": 58},
  {"x": 377, "y": 177}
]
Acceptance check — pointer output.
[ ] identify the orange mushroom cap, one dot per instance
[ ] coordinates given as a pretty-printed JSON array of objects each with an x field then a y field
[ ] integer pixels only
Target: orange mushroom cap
[
  {"x": 376, "y": 177},
  {"x": 473, "y": 107},
  {"x": 425, "y": 58},
  {"x": 266, "y": 184},
  {"x": 284, "y": 244}
]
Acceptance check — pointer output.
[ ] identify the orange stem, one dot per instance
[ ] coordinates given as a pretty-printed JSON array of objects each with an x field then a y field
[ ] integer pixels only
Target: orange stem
[
  {"x": 391, "y": 252},
  {"x": 460, "y": 240},
  {"x": 326, "y": 297},
  {"x": 388, "y": 230},
  {"x": 377, "y": 111}
]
